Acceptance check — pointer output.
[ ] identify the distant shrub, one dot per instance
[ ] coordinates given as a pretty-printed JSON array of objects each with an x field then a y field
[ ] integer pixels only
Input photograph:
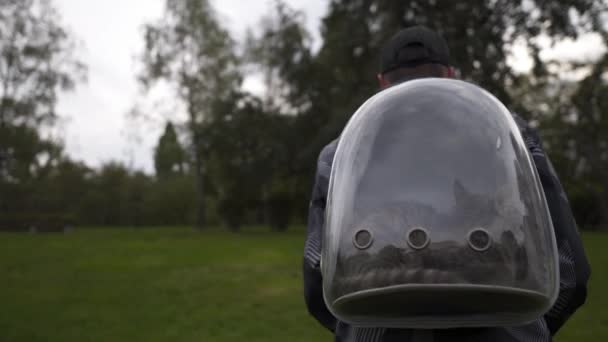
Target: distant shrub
[
  {"x": 279, "y": 212},
  {"x": 54, "y": 222},
  {"x": 586, "y": 208},
  {"x": 232, "y": 212}
]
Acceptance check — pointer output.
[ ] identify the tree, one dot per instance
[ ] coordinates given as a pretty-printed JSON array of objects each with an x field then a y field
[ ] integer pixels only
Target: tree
[
  {"x": 193, "y": 52},
  {"x": 240, "y": 151},
  {"x": 111, "y": 190},
  {"x": 169, "y": 156},
  {"x": 282, "y": 52},
  {"x": 330, "y": 84},
  {"x": 170, "y": 202},
  {"x": 36, "y": 62},
  {"x": 66, "y": 184},
  {"x": 480, "y": 35},
  {"x": 576, "y": 131}
]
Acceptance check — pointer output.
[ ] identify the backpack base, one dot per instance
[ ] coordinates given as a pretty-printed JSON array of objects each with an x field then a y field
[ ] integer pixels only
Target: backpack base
[{"x": 439, "y": 306}]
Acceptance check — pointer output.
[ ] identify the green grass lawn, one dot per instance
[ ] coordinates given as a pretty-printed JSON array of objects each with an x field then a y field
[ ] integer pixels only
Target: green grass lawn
[{"x": 176, "y": 284}]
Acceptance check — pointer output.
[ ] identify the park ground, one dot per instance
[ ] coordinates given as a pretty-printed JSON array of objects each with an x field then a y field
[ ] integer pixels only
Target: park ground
[{"x": 178, "y": 284}]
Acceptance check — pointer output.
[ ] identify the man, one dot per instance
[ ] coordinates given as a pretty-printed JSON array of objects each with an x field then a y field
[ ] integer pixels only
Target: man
[{"x": 418, "y": 52}]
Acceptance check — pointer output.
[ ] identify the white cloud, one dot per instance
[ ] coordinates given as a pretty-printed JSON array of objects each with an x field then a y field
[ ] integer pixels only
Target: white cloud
[
  {"x": 111, "y": 34},
  {"x": 586, "y": 48}
]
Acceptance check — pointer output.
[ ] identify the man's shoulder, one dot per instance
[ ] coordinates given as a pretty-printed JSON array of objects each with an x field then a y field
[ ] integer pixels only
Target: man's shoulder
[
  {"x": 328, "y": 152},
  {"x": 326, "y": 158},
  {"x": 522, "y": 124},
  {"x": 529, "y": 134}
]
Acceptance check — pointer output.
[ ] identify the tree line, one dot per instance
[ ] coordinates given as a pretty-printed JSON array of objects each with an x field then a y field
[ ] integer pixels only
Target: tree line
[{"x": 240, "y": 158}]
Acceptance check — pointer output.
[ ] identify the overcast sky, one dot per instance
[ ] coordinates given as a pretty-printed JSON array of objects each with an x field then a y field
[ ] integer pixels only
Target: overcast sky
[{"x": 110, "y": 31}]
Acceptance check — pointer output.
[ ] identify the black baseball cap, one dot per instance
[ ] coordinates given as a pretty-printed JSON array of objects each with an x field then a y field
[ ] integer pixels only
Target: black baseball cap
[{"x": 414, "y": 46}]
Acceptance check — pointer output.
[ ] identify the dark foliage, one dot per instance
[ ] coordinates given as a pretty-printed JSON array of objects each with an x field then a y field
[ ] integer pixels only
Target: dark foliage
[{"x": 243, "y": 159}]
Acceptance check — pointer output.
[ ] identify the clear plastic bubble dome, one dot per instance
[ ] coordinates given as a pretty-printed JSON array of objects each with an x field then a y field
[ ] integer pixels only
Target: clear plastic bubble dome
[{"x": 436, "y": 217}]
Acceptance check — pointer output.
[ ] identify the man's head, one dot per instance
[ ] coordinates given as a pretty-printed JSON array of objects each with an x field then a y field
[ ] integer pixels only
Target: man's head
[{"x": 414, "y": 52}]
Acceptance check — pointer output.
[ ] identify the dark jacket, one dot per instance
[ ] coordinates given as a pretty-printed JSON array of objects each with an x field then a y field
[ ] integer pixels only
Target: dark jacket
[{"x": 573, "y": 265}]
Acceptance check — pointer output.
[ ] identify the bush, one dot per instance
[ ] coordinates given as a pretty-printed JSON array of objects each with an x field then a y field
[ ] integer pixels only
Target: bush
[
  {"x": 585, "y": 207},
  {"x": 278, "y": 212},
  {"x": 232, "y": 212},
  {"x": 39, "y": 222}
]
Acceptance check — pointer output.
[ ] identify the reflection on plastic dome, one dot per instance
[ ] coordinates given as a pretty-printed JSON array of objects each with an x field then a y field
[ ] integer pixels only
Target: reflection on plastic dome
[{"x": 436, "y": 217}]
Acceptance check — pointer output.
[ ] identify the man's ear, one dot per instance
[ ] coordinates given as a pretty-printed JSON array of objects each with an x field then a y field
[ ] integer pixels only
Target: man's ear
[{"x": 382, "y": 81}]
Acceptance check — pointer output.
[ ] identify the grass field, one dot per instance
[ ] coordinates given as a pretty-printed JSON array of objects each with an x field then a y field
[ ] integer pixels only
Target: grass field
[{"x": 176, "y": 284}]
